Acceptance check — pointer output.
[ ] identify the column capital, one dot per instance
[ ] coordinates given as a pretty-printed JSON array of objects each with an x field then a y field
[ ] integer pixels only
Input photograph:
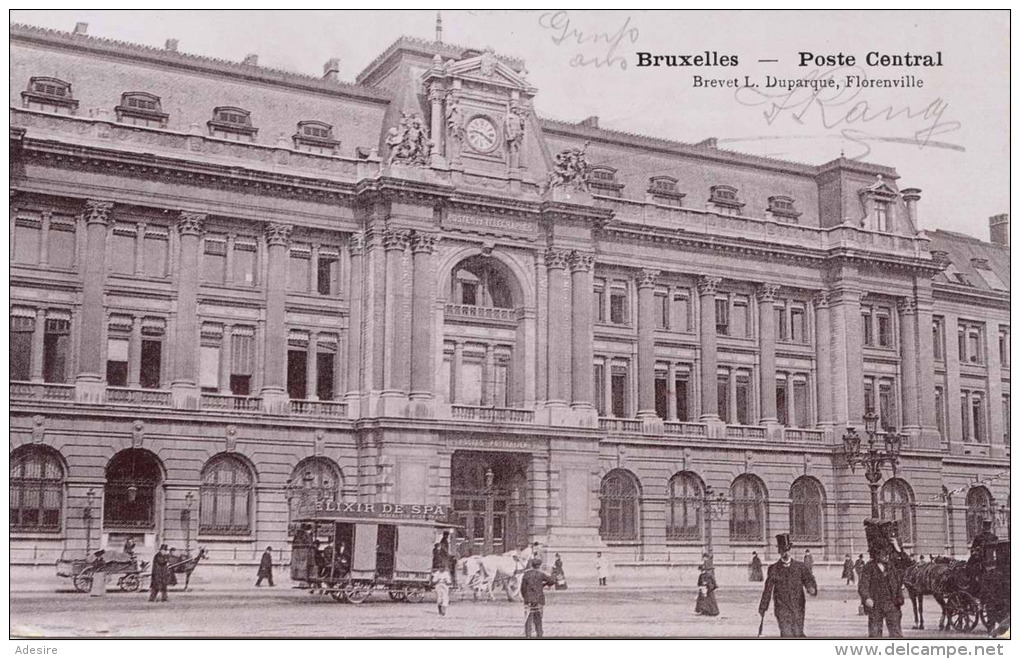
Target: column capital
[
  {"x": 396, "y": 239},
  {"x": 556, "y": 259},
  {"x": 767, "y": 292},
  {"x": 97, "y": 212},
  {"x": 581, "y": 261},
  {"x": 845, "y": 294},
  {"x": 821, "y": 300},
  {"x": 646, "y": 278},
  {"x": 907, "y": 306},
  {"x": 436, "y": 93},
  {"x": 708, "y": 285},
  {"x": 278, "y": 234},
  {"x": 190, "y": 223},
  {"x": 356, "y": 243},
  {"x": 424, "y": 242}
]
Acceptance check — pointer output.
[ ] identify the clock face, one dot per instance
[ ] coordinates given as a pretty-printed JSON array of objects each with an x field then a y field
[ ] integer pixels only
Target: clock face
[{"x": 481, "y": 134}]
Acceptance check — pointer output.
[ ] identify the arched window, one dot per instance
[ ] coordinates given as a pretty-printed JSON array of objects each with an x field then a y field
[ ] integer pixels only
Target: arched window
[
  {"x": 979, "y": 509},
  {"x": 226, "y": 497},
  {"x": 130, "y": 493},
  {"x": 897, "y": 503},
  {"x": 479, "y": 283},
  {"x": 683, "y": 515},
  {"x": 807, "y": 505},
  {"x": 619, "y": 506},
  {"x": 749, "y": 501},
  {"x": 313, "y": 479},
  {"x": 37, "y": 489}
]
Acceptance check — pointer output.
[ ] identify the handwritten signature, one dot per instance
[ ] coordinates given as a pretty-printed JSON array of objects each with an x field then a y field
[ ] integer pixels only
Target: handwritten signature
[
  {"x": 563, "y": 32},
  {"x": 841, "y": 107}
]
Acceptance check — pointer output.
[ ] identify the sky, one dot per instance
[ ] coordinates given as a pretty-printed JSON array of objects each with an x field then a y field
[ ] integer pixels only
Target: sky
[{"x": 950, "y": 138}]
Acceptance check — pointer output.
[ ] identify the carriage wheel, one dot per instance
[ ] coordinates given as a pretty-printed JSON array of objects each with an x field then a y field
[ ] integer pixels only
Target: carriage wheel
[
  {"x": 129, "y": 583},
  {"x": 338, "y": 595},
  {"x": 83, "y": 580},
  {"x": 414, "y": 595},
  {"x": 397, "y": 595},
  {"x": 962, "y": 611},
  {"x": 357, "y": 594},
  {"x": 992, "y": 615}
]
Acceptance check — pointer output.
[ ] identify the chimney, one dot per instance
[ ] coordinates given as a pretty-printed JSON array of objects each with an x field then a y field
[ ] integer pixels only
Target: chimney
[
  {"x": 331, "y": 69},
  {"x": 81, "y": 28},
  {"x": 251, "y": 59},
  {"x": 171, "y": 45},
  {"x": 709, "y": 142},
  {"x": 590, "y": 122},
  {"x": 911, "y": 196},
  {"x": 999, "y": 228}
]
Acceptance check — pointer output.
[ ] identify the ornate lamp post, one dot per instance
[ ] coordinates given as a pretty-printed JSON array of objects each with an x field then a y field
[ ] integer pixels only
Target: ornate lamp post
[
  {"x": 1002, "y": 517},
  {"x": 90, "y": 499},
  {"x": 189, "y": 501},
  {"x": 874, "y": 456},
  {"x": 714, "y": 506}
]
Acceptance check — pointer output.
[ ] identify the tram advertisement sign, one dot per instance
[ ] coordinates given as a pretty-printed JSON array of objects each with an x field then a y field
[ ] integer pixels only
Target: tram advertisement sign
[{"x": 376, "y": 510}]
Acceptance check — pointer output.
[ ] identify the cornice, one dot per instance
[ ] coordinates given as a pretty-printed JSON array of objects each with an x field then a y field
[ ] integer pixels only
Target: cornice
[{"x": 969, "y": 295}]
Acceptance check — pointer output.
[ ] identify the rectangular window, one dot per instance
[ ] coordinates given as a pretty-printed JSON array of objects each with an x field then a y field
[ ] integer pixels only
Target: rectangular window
[
  {"x": 866, "y": 330},
  {"x": 782, "y": 329},
  {"x": 445, "y": 383},
  {"x": 800, "y": 403},
  {"x": 884, "y": 318},
  {"x": 965, "y": 414},
  {"x": 152, "y": 363},
  {"x": 61, "y": 245},
  {"x": 798, "y": 325},
  {"x": 501, "y": 379},
  {"x": 209, "y": 368},
  {"x": 683, "y": 411},
  {"x": 977, "y": 412},
  {"x": 245, "y": 251},
  {"x": 27, "y": 238},
  {"x": 471, "y": 382},
  {"x": 741, "y": 317},
  {"x": 974, "y": 346},
  {"x": 1006, "y": 430},
  {"x": 781, "y": 402},
  {"x": 682, "y": 302},
  {"x": 743, "y": 398},
  {"x": 888, "y": 418},
  {"x": 1004, "y": 346},
  {"x": 599, "y": 300},
  {"x": 327, "y": 274},
  {"x": 56, "y": 346},
  {"x": 881, "y": 216},
  {"x": 599, "y": 373},
  {"x": 324, "y": 388},
  {"x": 122, "y": 249},
  {"x": 722, "y": 316},
  {"x": 661, "y": 395},
  {"x": 117, "y": 361},
  {"x": 297, "y": 373},
  {"x": 155, "y": 247},
  {"x": 242, "y": 350},
  {"x": 22, "y": 331},
  {"x": 662, "y": 309},
  {"x": 618, "y": 305},
  {"x": 938, "y": 339},
  {"x": 618, "y": 386},
  {"x": 214, "y": 260},
  {"x": 299, "y": 265},
  {"x": 940, "y": 411},
  {"x": 723, "y": 392},
  {"x": 869, "y": 395},
  {"x": 961, "y": 343}
]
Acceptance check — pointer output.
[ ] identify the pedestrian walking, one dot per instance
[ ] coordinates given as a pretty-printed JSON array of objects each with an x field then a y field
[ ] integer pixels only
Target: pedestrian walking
[
  {"x": 160, "y": 574},
  {"x": 809, "y": 561},
  {"x": 859, "y": 570},
  {"x": 441, "y": 578},
  {"x": 601, "y": 568},
  {"x": 754, "y": 572},
  {"x": 265, "y": 568},
  {"x": 533, "y": 585},
  {"x": 848, "y": 570},
  {"x": 98, "y": 564},
  {"x": 558, "y": 575},
  {"x": 785, "y": 585},
  {"x": 706, "y": 604},
  {"x": 882, "y": 590}
]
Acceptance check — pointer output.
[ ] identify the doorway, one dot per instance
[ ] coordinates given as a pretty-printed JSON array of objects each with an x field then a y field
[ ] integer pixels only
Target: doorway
[{"x": 490, "y": 501}]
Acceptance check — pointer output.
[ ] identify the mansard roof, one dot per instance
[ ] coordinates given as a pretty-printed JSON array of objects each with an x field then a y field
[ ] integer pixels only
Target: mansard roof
[{"x": 965, "y": 253}]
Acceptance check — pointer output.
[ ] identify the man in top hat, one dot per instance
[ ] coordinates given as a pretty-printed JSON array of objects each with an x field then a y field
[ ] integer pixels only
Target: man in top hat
[
  {"x": 985, "y": 536},
  {"x": 160, "y": 574},
  {"x": 882, "y": 589},
  {"x": 785, "y": 585},
  {"x": 265, "y": 568}
]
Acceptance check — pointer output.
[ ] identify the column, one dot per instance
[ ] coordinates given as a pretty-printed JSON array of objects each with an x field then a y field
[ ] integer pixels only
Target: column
[
  {"x": 581, "y": 356},
  {"x": 394, "y": 243},
  {"x": 312, "y": 369},
  {"x": 908, "y": 361},
  {"x": 228, "y": 276},
  {"x": 558, "y": 356},
  {"x": 38, "y": 345},
  {"x": 436, "y": 94},
  {"x": 356, "y": 247},
  {"x": 313, "y": 271},
  {"x": 671, "y": 391},
  {"x": 926, "y": 363},
  {"x": 488, "y": 375},
  {"x": 823, "y": 358},
  {"x": 140, "y": 250},
  {"x": 226, "y": 359},
  {"x": 422, "y": 363},
  {"x": 847, "y": 356},
  {"x": 89, "y": 380},
  {"x": 767, "y": 352},
  {"x": 456, "y": 370},
  {"x": 707, "y": 287},
  {"x": 185, "y": 377},
  {"x": 135, "y": 354},
  {"x": 274, "y": 385},
  {"x": 646, "y": 344},
  {"x": 44, "y": 238}
]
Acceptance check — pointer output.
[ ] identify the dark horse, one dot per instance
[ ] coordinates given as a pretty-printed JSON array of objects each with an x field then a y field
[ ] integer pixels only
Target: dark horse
[
  {"x": 186, "y": 564},
  {"x": 938, "y": 579}
]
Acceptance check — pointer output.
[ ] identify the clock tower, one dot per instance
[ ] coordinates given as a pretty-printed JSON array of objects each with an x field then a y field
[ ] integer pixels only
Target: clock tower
[{"x": 482, "y": 121}]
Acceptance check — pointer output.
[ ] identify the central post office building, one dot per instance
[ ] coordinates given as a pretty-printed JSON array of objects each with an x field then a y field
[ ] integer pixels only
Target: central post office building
[{"x": 234, "y": 287}]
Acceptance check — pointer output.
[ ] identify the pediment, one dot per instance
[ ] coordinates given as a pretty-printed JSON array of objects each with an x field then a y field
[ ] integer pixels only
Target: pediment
[
  {"x": 487, "y": 69},
  {"x": 879, "y": 189}
]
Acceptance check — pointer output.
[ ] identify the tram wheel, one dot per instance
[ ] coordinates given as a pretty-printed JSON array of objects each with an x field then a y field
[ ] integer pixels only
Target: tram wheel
[
  {"x": 358, "y": 594},
  {"x": 415, "y": 595},
  {"x": 338, "y": 595},
  {"x": 397, "y": 595}
]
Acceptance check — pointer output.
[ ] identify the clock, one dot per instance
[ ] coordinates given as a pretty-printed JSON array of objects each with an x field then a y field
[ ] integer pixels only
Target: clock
[{"x": 481, "y": 134}]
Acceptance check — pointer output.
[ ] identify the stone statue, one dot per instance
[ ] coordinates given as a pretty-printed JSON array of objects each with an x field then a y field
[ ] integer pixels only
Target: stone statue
[
  {"x": 454, "y": 127},
  {"x": 513, "y": 128},
  {"x": 409, "y": 141},
  {"x": 571, "y": 169}
]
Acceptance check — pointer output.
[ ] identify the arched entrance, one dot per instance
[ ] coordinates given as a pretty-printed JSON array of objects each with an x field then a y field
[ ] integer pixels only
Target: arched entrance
[
  {"x": 490, "y": 501},
  {"x": 133, "y": 477}
]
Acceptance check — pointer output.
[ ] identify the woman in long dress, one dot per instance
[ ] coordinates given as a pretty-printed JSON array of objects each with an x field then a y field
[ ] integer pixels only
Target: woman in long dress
[
  {"x": 558, "y": 574},
  {"x": 754, "y": 572},
  {"x": 706, "y": 604},
  {"x": 848, "y": 570}
]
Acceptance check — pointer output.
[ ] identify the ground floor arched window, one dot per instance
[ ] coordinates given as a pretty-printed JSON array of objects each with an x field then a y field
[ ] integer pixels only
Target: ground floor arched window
[
  {"x": 897, "y": 503},
  {"x": 979, "y": 509},
  {"x": 132, "y": 480},
  {"x": 227, "y": 497},
  {"x": 748, "y": 506},
  {"x": 684, "y": 508},
  {"x": 619, "y": 506},
  {"x": 807, "y": 506},
  {"x": 36, "y": 489}
]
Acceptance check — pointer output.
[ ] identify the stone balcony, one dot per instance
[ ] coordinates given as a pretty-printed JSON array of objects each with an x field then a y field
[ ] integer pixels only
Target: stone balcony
[{"x": 491, "y": 414}]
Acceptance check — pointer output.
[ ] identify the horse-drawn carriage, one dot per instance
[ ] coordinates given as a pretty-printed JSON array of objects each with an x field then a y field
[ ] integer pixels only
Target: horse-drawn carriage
[
  {"x": 349, "y": 550},
  {"x": 132, "y": 572},
  {"x": 982, "y": 590}
]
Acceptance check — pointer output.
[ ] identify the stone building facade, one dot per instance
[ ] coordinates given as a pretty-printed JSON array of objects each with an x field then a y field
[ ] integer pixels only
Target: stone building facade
[{"x": 233, "y": 288}]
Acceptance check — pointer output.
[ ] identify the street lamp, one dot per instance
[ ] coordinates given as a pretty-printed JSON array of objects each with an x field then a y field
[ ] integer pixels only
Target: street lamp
[
  {"x": 874, "y": 456},
  {"x": 90, "y": 499},
  {"x": 714, "y": 507},
  {"x": 189, "y": 501}
]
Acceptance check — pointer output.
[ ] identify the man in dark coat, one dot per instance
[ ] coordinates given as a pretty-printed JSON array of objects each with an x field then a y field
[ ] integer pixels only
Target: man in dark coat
[
  {"x": 754, "y": 572},
  {"x": 533, "y": 585},
  {"x": 859, "y": 570},
  {"x": 160, "y": 574},
  {"x": 848, "y": 570},
  {"x": 266, "y": 568},
  {"x": 985, "y": 536},
  {"x": 809, "y": 561},
  {"x": 882, "y": 590},
  {"x": 785, "y": 585}
]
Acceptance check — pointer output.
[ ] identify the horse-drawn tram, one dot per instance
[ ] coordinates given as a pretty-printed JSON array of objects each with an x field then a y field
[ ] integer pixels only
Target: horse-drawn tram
[{"x": 348, "y": 550}]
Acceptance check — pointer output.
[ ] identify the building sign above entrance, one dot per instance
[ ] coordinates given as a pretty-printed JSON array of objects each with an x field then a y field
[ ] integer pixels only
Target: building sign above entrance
[
  {"x": 375, "y": 510},
  {"x": 488, "y": 443}
]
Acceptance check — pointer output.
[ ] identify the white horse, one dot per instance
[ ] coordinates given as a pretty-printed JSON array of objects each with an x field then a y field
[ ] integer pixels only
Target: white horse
[{"x": 484, "y": 573}]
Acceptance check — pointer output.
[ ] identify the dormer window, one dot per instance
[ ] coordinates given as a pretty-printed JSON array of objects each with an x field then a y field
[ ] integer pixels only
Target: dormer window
[
  {"x": 49, "y": 95},
  {"x": 724, "y": 200},
  {"x": 315, "y": 137},
  {"x": 141, "y": 109},
  {"x": 783, "y": 209},
  {"x": 877, "y": 200},
  {"x": 603, "y": 181},
  {"x": 663, "y": 191},
  {"x": 232, "y": 124}
]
